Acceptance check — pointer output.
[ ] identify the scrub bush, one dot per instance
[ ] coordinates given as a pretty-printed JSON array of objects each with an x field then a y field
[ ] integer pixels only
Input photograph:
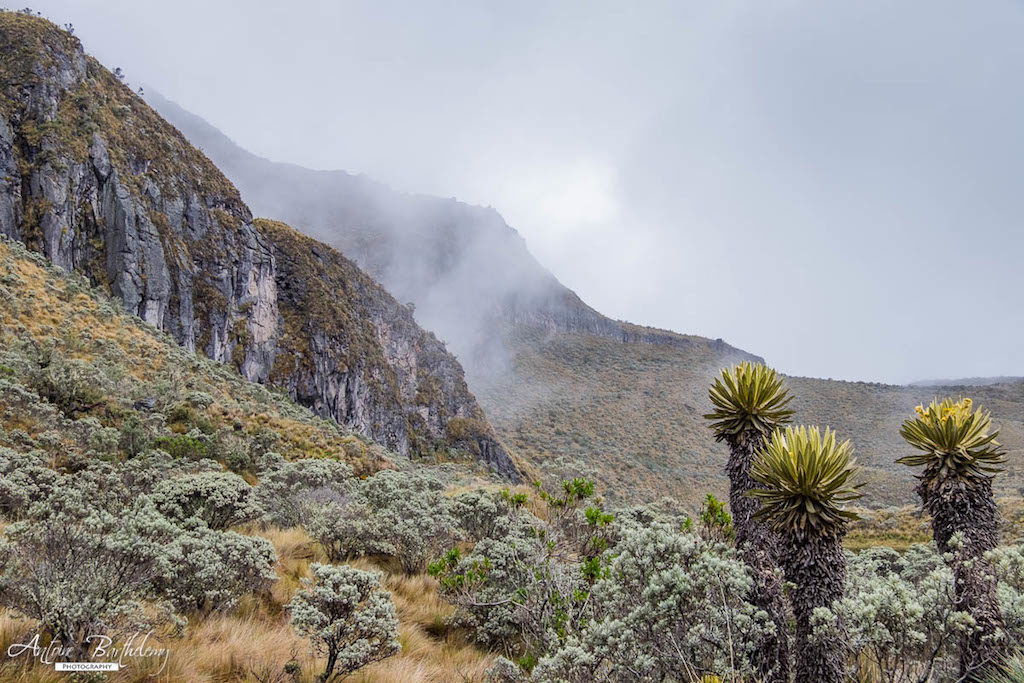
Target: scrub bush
[
  {"x": 347, "y": 616},
  {"x": 220, "y": 499}
]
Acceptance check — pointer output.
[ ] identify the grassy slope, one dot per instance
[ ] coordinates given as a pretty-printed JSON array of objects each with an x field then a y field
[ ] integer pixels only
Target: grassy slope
[
  {"x": 630, "y": 415},
  {"x": 627, "y": 415},
  {"x": 42, "y": 305}
]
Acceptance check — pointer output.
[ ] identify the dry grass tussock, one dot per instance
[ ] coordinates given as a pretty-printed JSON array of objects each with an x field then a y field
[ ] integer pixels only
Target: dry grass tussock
[
  {"x": 901, "y": 527},
  {"x": 254, "y": 641}
]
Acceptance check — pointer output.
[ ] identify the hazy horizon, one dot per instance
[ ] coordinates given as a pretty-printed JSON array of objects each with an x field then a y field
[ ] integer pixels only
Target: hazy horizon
[{"x": 828, "y": 186}]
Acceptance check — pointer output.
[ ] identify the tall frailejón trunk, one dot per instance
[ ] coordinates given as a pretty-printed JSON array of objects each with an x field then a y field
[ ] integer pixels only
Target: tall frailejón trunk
[
  {"x": 964, "y": 508},
  {"x": 759, "y": 546},
  {"x": 817, "y": 566}
]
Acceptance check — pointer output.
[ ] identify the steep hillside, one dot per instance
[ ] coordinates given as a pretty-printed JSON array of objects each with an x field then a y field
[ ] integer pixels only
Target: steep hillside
[
  {"x": 98, "y": 182},
  {"x": 571, "y": 390},
  {"x": 80, "y": 377},
  {"x": 467, "y": 272},
  {"x": 351, "y": 351}
]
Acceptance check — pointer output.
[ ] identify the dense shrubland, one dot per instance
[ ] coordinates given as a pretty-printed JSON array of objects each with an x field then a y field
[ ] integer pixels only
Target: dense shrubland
[
  {"x": 559, "y": 586},
  {"x": 556, "y": 583}
]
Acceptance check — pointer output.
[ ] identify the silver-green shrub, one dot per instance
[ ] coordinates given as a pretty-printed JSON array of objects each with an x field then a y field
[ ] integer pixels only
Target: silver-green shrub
[
  {"x": 478, "y": 512},
  {"x": 24, "y": 478},
  {"x": 405, "y": 515},
  {"x": 668, "y": 607},
  {"x": 515, "y": 590},
  {"x": 286, "y": 490},
  {"x": 348, "y": 528},
  {"x": 897, "y": 617},
  {"x": 208, "y": 570},
  {"x": 347, "y": 616},
  {"x": 220, "y": 499},
  {"x": 80, "y": 568},
  {"x": 1008, "y": 561}
]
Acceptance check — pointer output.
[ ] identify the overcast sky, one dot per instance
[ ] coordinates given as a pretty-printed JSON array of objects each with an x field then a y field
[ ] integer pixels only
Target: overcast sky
[{"x": 837, "y": 186}]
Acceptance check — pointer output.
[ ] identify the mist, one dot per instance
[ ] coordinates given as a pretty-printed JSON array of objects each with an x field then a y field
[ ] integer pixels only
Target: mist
[{"x": 829, "y": 185}]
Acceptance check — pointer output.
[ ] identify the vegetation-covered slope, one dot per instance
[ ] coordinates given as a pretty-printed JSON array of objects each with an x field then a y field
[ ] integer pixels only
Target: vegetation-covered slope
[
  {"x": 79, "y": 378},
  {"x": 870, "y": 414},
  {"x": 631, "y": 416},
  {"x": 86, "y": 391}
]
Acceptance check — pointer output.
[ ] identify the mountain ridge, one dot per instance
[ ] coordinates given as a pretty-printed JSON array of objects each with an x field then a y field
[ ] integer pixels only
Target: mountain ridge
[
  {"x": 98, "y": 182},
  {"x": 422, "y": 248}
]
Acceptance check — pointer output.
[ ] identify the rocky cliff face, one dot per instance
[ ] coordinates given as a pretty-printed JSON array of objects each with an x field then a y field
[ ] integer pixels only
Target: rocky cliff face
[
  {"x": 351, "y": 351},
  {"x": 94, "y": 179}
]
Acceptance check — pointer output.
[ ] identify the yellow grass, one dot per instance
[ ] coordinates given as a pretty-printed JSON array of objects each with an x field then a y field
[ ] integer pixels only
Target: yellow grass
[
  {"x": 47, "y": 308},
  {"x": 256, "y": 638},
  {"x": 901, "y": 527}
]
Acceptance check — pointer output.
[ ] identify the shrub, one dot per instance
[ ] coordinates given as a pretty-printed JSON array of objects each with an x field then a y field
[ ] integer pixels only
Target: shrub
[
  {"x": 286, "y": 489},
  {"x": 104, "y": 442},
  {"x": 478, "y": 511},
  {"x": 183, "y": 446},
  {"x": 23, "y": 480},
  {"x": 349, "y": 529},
  {"x": 670, "y": 605},
  {"x": 220, "y": 499},
  {"x": 347, "y": 616},
  {"x": 72, "y": 385},
  {"x": 898, "y": 616},
  {"x": 1008, "y": 562},
  {"x": 80, "y": 569},
  {"x": 715, "y": 522},
  {"x": 208, "y": 570},
  {"x": 232, "y": 450},
  {"x": 135, "y": 437},
  {"x": 404, "y": 515},
  {"x": 515, "y": 591}
]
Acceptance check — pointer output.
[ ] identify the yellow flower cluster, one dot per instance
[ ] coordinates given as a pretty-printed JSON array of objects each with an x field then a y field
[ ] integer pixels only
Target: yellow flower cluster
[{"x": 939, "y": 413}]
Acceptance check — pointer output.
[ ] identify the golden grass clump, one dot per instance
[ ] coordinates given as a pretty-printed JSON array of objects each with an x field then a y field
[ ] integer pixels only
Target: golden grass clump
[{"x": 255, "y": 638}]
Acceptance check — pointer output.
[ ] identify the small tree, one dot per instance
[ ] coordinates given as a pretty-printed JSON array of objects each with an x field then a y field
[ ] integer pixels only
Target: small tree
[
  {"x": 806, "y": 479},
  {"x": 960, "y": 455},
  {"x": 347, "y": 616},
  {"x": 750, "y": 401}
]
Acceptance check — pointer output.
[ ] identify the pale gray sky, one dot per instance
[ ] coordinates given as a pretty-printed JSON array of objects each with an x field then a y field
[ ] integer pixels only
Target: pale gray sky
[{"x": 833, "y": 185}]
